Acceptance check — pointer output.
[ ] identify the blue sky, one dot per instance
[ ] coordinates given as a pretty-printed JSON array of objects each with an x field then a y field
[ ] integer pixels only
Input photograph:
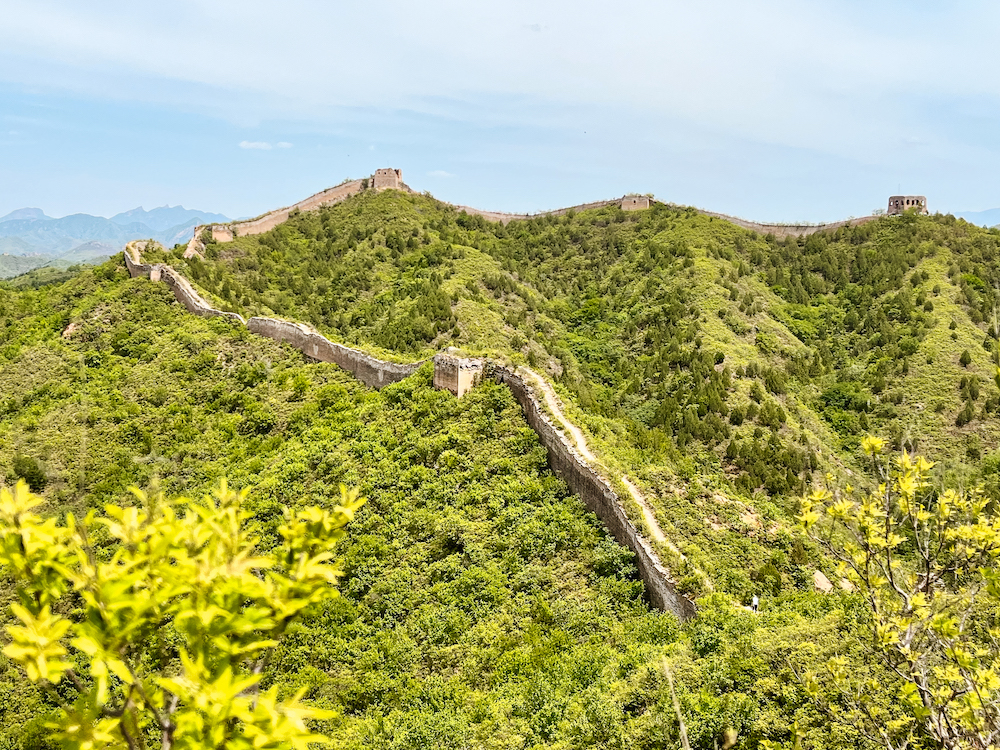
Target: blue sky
[{"x": 773, "y": 110}]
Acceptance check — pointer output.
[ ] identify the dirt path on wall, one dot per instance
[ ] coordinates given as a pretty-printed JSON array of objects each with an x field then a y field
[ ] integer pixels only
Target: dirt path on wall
[
  {"x": 652, "y": 525},
  {"x": 552, "y": 401},
  {"x": 647, "y": 513}
]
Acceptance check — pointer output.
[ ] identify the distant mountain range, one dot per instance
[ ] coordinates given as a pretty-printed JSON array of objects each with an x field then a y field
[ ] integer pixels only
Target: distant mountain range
[
  {"x": 30, "y": 239},
  {"x": 988, "y": 218}
]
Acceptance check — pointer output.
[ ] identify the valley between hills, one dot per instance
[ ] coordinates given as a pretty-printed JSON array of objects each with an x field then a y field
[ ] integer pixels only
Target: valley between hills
[{"x": 712, "y": 374}]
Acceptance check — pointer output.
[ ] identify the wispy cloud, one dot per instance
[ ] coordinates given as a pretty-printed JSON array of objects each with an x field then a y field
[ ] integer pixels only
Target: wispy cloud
[
  {"x": 439, "y": 173},
  {"x": 264, "y": 145}
]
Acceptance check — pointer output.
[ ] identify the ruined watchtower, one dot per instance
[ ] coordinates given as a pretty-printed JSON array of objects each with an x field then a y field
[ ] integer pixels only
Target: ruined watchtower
[
  {"x": 384, "y": 179},
  {"x": 900, "y": 203},
  {"x": 635, "y": 202}
]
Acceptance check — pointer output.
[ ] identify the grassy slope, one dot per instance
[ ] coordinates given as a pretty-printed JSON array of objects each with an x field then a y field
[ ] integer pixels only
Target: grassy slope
[
  {"x": 614, "y": 305},
  {"x": 482, "y": 605}
]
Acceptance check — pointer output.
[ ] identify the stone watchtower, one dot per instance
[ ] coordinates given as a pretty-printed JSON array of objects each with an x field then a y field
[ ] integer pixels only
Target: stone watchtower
[
  {"x": 635, "y": 202},
  {"x": 384, "y": 179},
  {"x": 900, "y": 203}
]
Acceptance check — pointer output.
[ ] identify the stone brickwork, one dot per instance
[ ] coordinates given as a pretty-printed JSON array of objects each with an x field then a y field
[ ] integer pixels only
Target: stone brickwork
[
  {"x": 597, "y": 495},
  {"x": 456, "y": 374},
  {"x": 635, "y": 202},
  {"x": 901, "y": 203},
  {"x": 267, "y": 222},
  {"x": 387, "y": 179},
  {"x": 371, "y": 371},
  {"x": 783, "y": 230}
]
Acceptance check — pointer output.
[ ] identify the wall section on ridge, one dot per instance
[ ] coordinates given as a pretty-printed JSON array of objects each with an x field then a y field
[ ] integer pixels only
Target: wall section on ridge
[
  {"x": 783, "y": 230},
  {"x": 597, "y": 494},
  {"x": 373, "y": 372},
  {"x": 181, "y": 287}
]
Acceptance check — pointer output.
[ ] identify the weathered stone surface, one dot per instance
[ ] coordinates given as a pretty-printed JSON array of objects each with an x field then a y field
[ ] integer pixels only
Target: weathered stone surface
[
  {"x": 635, "y": 202},
  {"x": 267, "y": 222},
  {"x": 370, "y": 370},
  {"x": 456, "y": 374},
  {"x": 821, "y": 582},
  {"x": 900, "y": 203},
  {"x": 182, "y": 289},
  {"x": 597, "y": 495},
  {"x": 387, "y": 179}
]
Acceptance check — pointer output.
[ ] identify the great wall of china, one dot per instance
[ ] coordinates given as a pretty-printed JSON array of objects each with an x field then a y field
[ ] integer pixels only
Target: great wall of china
[
  {"x": 458, "y": 375},
  {"x": 392, "y": 179}
]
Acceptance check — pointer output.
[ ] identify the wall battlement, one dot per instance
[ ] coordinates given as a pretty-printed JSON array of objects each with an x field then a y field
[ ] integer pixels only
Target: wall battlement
[
  {"x": 390, "y": 178},
  {"x": 456, "y": 374},
  {"x": 387, "y": 179}
]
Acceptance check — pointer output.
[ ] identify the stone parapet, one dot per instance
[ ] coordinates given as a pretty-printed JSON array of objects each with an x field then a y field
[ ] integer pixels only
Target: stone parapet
[
  {"x": 182, "y": 289},
  {"x": 899, "y": 204},
  {"x": 458, "y": 375},
  {"x": 370, "y": 370},
  {"x": 635, "y": 202}
]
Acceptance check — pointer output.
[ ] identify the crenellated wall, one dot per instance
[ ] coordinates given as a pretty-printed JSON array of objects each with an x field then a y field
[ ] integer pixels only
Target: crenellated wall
[
  {"x": 456, "y": 374},
  {"x": 783, "y": 230},
  {"x": 597, "y": 494}
]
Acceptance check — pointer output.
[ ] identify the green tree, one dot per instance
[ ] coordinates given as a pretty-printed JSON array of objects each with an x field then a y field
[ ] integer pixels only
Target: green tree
[
  {"x": 924, "y": 562},
  {"x": 965, "y": 359},
  {"x": 154, "y": 622}
]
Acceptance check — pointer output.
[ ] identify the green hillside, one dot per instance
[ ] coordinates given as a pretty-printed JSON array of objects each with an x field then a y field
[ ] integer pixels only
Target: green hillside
[
  {"x": 483, "y": 606},
  {"x": 720, "y": 368}
]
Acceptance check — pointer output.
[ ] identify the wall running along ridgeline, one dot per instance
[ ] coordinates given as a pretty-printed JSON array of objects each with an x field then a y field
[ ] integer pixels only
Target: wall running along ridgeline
[
  {"x": 458, "y": 375},
  {"x": 389, "y": 179}
]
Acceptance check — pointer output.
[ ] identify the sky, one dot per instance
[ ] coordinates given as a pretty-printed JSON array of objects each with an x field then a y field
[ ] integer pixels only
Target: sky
[{"x": 774, "y": 110}]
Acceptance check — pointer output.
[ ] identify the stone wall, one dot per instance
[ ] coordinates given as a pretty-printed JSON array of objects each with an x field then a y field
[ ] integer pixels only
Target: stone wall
[
  {"x": 456, "y": 374},
  {"x": 635, "y": 202},
  {"x": 504, "y": 218},
  {"x": 182, "y": 289},
  {"x": 783, "y": 230},
  {"x": 370, "y": 370},
  {"x": 597, "y": 495},
  {"x": 267, "y": 222}
]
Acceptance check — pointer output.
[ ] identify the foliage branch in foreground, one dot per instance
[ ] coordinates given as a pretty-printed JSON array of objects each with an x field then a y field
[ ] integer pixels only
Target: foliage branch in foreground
[
  {"x": 154, "y": 623},
  {"x": 924, "y": 561}
]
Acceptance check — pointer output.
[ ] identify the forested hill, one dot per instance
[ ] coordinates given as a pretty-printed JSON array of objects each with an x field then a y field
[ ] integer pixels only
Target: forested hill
[
  {"x": 482, "y": 605},
  {"x": 719, "y": 368}
]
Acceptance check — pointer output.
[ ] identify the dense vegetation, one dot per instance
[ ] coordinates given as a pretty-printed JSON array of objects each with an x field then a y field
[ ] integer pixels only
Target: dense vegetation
[
  {"x": 483, "y": 606},
  {"x": 720, "y": 368}
]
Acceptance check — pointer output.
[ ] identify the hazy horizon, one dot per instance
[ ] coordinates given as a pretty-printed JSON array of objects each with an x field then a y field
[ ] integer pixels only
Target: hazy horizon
[{"x": 786, "y": 111}]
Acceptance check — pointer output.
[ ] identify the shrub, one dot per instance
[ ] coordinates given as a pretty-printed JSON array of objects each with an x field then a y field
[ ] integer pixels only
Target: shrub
[{"x": 27, "y": 468}]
